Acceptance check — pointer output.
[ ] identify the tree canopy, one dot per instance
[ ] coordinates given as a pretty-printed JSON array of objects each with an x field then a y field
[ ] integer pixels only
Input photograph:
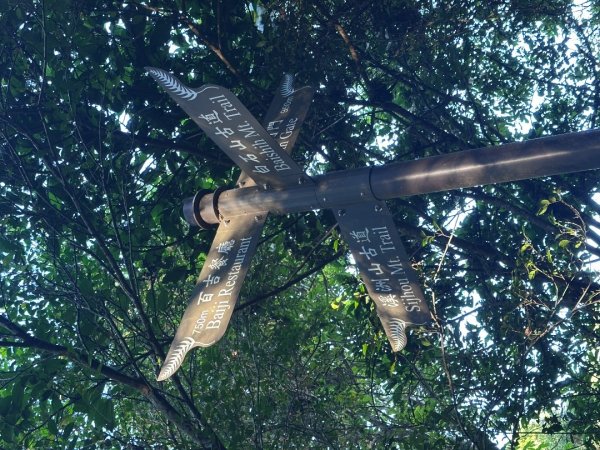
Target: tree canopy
[{"x": 97, "y": 262}]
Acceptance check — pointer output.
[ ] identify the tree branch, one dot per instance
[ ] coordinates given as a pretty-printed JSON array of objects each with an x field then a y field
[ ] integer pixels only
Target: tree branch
[{"x": 207, "y": 438}]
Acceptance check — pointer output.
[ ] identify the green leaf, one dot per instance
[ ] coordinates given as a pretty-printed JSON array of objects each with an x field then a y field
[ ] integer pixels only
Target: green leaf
[
  {"x": 392, "y": 368},
  {"x": 564, "y": 243},
  {"x": 543, "y": 207},
  {"x": 52, "y": 428},
  {"x": 104, "y": 413},
  {"x": 68, "y": 430},
  {"x": 5, "y": 405},
  {"x": 163, "y": 297},
  {"x": 18, "y": 397},
  {"x": 7, "y": 246}
]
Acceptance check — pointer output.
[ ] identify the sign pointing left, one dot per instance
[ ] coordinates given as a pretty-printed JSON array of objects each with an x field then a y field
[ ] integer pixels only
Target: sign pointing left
[{"x": 228, "y": 123}]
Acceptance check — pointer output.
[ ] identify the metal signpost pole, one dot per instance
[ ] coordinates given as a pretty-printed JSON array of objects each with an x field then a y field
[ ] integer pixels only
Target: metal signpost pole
[
  {"x": 273, "y": 183},
  {"x": 567, "y": 153}
]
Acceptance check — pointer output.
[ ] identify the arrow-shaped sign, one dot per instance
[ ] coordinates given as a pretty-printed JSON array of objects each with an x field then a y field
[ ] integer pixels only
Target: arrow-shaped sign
[
  {"x": 384, "y": 267},
  {"x": 213, "y": 299},
  {"x": 230, "y": 125}
]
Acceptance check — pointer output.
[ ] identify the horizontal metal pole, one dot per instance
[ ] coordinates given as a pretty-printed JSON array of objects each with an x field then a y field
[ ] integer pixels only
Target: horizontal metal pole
[
  {"x": 567, "y": 153},
  {"x": 553, "y": 155}
]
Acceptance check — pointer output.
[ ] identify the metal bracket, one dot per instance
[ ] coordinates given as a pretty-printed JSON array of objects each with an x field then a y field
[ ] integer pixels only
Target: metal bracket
[
  {"x": 345, "y": 188},
  {"x": 192, "y": 207},
  {"x": 215, "y": 202}
]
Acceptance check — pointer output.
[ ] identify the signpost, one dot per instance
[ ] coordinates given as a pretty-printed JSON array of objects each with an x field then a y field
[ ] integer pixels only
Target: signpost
[
  {"x": 271, "y": 182},
  {"x": 213, "y": 299}
]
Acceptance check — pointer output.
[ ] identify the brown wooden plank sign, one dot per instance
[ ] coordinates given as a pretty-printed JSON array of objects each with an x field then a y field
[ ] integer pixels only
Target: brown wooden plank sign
[
  {"x": 231, "y": 126},
  {"x": 384, "y": 267},
  {"x": 272, "y": 182},
  {"x": 213, "y": 299}
]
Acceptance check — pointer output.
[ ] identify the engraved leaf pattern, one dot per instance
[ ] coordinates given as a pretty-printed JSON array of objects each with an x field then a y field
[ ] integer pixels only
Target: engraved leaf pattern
[
  {"x": 176, "y": 358},
  {"x": 287, "y": 85},
  {"x": 172, "y": 84},
  {"x": 397, "y": 334}
]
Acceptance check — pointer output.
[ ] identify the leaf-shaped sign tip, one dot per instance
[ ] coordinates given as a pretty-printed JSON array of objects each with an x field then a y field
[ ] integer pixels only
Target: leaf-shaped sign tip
[
  {"x": 172, "y": 84},
  {"x": 175, "y": 358},
  {"x": 287, "y": 85},
  {"x": 397, "y": 334}
]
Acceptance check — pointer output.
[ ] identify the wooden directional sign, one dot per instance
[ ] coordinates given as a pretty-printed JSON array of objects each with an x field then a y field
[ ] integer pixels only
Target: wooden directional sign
[
  {"x": 231, "y": 126},
  {"x": 214, "y": 297},
  {"x": 369, "y": 230},
  {"x": 355, "y": 197},
  {"x": 284, "y": 118},
  {"x": 287, "y": 113}
]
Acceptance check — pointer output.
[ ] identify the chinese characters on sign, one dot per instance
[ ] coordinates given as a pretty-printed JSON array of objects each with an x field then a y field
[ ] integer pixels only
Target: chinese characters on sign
[
  {"x": 220, "y": 282},
  {"x": 384, "y": 267},
  {"x": 283, "y": 120},
  {"x": 231, "y": 126},
  {"x": 213, "y": 299}
]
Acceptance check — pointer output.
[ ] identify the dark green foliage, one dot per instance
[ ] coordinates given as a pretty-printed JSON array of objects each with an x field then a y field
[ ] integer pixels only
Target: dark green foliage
[{"x": 96, "y": 262}]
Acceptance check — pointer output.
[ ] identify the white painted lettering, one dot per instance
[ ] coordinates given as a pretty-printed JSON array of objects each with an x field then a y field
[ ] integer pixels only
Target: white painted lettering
[
  {"x": 225, "y": 292},
  {"x": 248, "y": 130},
  {"x": 213, "y": 324},
  {"x": 199, "y": 326}
]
